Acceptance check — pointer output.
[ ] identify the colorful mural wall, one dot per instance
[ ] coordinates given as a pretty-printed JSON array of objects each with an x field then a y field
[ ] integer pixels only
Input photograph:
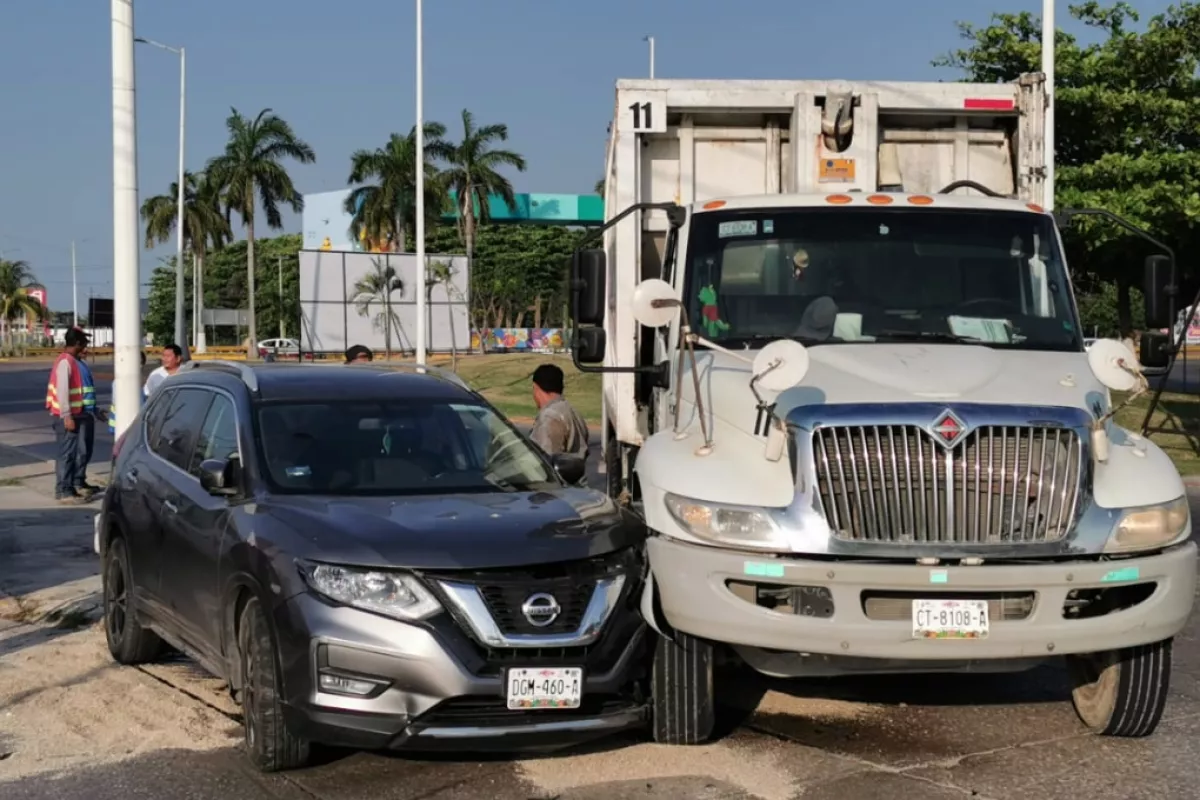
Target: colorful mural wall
[{"x": 529, "y": 340}]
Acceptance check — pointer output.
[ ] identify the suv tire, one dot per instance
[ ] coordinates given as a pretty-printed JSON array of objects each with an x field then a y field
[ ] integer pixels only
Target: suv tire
[
  {"x": 128, "y": 642},
  {"x": 684, "y": 711},
  {"x": 1122, "y": 692},
  {"x": 269, "y": 743}
]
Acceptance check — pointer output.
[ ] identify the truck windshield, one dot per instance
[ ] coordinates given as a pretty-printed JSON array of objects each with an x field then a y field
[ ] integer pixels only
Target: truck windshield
[{"x": 829, "y": 276}]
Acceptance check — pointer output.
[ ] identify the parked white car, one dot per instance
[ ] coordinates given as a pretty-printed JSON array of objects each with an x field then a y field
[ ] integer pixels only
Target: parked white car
[{"x": 280, "y": 348}]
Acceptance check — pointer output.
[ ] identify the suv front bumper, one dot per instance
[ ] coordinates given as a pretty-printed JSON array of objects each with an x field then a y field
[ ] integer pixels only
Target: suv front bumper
[
  {"x": 693, "y": 583},
  {"x": 436, "y": 688}
]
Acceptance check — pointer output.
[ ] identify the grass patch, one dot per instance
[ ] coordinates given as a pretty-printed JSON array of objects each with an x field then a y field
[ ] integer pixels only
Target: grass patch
[
  {"x": 1175, "y": 426},
  {"x": 505, "y": 380},
  {"x": 6, "y": 482}
]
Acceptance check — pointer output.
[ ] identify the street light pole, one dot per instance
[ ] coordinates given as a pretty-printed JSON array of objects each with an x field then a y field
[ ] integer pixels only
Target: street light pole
[
  {"x": 650, "y": 39},
  {"x": 1048, "y": 70},
  {"x": 422, "y": 312},
  {"x": 126, "y": 308},
  {"x": 74, "y": 289},
  {"x": 181, "y": 337}
]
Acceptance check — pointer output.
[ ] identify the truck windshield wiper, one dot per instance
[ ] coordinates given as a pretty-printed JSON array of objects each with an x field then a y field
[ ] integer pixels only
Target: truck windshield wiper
[{"x": 926, "y": 336}]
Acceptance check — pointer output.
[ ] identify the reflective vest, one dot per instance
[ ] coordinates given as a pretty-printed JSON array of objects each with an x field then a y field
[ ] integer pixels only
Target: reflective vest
[
  {"x": 75, "y": 382},
  {"x": 89, "y": 388}
]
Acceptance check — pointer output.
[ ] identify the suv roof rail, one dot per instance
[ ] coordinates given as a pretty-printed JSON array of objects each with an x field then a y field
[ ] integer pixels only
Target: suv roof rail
[
  {"x": 242, "y": 370},
  {"x": 437, "y": 372}
]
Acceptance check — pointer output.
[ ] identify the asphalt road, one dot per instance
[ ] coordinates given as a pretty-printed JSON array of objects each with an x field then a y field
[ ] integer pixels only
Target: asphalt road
[{"x": 933, "y": 738}]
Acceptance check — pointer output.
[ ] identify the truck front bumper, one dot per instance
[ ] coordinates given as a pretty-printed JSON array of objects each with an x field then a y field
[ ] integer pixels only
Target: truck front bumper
[{"x": 694, "y": 586}]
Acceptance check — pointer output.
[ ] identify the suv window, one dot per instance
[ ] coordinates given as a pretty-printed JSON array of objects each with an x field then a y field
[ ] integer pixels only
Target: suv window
[
  {"x": 218, "y": 437},
  {"x": 183, "y": 418},
  {"x": 155, "y": 413}
]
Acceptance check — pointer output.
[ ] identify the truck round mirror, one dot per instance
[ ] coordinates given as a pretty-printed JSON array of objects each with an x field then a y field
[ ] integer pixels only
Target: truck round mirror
[
  {"x": 654, "y": 303},
  {"x": 1113, "y": 364},
  {"x": 780, "y": 365}
]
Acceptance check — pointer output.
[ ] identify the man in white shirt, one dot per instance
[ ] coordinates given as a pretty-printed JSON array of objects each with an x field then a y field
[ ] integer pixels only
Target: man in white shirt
[{"x": 172, "y": 357}]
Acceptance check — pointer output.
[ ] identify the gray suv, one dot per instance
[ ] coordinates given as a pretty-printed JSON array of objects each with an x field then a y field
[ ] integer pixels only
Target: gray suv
[{"x": 372, "y": 558}]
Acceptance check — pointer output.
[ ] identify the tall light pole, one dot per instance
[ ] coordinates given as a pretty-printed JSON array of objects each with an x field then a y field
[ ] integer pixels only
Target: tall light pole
[
  {"x": 127, "y": 311},
  {"x": 1048, "y": 69},
  {"x": 181, "y": 337},
  {"x": 74, "y": 288},
  {"x": 421, "y": 310},
  {"x": 650, "y": 39}
]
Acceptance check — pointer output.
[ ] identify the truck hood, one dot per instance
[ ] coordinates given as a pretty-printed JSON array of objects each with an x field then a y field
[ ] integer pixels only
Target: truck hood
[{"x": 897, "y": 373}]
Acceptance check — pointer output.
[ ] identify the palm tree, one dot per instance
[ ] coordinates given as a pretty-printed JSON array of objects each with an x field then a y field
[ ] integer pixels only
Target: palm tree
[
  {"x": 473, "y": 175},
  {"x": 442, "y": 272},
  {"x": 376, "y": 289},
  {"x": 16, "y": 302},
  {"x": 386, "y": 209},
  {"x": 204, "y": 223},
  {"x": 599, "y": 187},
  {"x": 250, "y": 169}
]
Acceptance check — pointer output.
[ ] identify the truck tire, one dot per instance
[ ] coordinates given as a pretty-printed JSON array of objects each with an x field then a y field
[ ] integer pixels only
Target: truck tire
[
  {"x": 681, "y": 689},
  {"x": 269, "y": 743},
  {"x": 128, "y": 642},
  {"x": 1122, "y": 692}
]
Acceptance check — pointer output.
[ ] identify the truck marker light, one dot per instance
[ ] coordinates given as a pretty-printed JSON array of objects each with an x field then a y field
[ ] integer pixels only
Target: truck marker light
[
  {"x": 712, "y": 205},
  {"x": 920, "y": 200},
  {"x": 985, "y": 104},
  {"x": 762, "y": 570},
  {"x": 939, "y": 576},
  {"x": 1035, "y": 207},
  {"x": 838, "y": 199},
  {"x": 879, "y": 200},
  {"x": 1124, "y": 574}
]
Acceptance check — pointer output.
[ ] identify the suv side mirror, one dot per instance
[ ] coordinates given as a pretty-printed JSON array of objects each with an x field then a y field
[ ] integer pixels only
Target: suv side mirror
[
  {"x": 1154, "y": 350},
  {"x": 570, "y": 468},
  {"x": 218, "y": 476},
  {"x": 1158, "y": 287},
  {"x": 588, "y": 272}
]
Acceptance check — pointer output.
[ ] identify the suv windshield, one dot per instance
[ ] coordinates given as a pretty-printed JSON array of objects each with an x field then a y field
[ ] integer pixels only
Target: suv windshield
[
  {"x": 826, "y": 276},
  {"x": 395, "y": 448}
]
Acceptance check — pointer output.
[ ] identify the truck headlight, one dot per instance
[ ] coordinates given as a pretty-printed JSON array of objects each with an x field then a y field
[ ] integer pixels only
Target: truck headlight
[
  {"x": 739, "y": 526},
  {"x": 1148, "y": 527},
  {"x": 392, "y": 594}
]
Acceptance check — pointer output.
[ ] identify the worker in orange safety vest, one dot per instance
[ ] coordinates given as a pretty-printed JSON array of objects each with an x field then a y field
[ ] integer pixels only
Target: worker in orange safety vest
[{"x": 68, "y": 408}]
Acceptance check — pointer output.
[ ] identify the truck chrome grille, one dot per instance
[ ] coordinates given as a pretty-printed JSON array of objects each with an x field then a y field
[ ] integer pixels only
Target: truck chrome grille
[{"x": 998, "y": 485}]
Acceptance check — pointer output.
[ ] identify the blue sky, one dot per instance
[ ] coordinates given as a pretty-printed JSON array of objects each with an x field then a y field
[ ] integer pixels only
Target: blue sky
[{"x": 342, "y": 74}]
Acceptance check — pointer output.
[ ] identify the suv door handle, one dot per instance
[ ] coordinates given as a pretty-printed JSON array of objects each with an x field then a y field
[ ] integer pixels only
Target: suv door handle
[
  {"x": 169, "y": 506},
  {"x": 132, "y": 475}
]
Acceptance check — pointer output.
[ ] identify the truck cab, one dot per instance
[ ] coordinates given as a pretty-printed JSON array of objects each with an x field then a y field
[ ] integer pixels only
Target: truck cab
[{"x": 846, "y": 387}]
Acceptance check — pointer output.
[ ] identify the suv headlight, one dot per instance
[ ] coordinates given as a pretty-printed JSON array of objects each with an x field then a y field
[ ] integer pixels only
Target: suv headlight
[
  {"x": 738, "y": 526},
  {"x": 1150, "y": 527},
  {"x": 392, "y": 594}
]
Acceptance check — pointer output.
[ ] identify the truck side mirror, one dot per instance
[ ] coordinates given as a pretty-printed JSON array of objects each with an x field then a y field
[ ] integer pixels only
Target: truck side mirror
[
  {"x": 590, "y": 344},
  {"x": 588, "y": 273},
  {"x": 1154, "y": 350},
  {"x": 1159, "y": 286}
]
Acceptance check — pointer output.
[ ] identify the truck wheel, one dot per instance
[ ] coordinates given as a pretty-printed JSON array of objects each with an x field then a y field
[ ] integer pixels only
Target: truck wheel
[
  {"x": 128, "y": 641},
  {"x": 1122, "y": 692},
  {"x": 682, "y": 690},
  {"x": 269, "y": 743}
]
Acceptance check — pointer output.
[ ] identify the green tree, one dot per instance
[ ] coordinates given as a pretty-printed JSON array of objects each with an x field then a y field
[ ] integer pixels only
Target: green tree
[
  {"x": 1127, "y": 116},
  {"x": 16, "y": 303},
  {"x": 374, "y": 291},
  {"x": 204, "y": 224},
  {"x": 473, "y": 173},
  {"x": 250, "y": 172},
  {"x": 384, "y": 209},
  {"x": 442, "y": 272},
  {"x": 599, "y": 187}
]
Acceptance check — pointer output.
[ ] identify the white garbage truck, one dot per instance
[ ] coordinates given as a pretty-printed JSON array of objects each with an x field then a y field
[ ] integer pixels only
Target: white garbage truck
[{"x": 846, "y": 387}]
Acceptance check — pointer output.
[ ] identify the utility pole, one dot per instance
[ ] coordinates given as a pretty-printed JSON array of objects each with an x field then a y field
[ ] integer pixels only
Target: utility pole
[
  {"x": 127, "y": 312},
  {"x": 74, "y": 289},
  {"x": 1048, "y": 70},
  {"x": 422, "y": 312},
  {"x": 282, "y": 329},
  {"x": 650, "y": 40}
]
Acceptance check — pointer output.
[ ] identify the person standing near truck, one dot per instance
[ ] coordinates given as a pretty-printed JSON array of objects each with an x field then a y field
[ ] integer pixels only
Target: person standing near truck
[
  {"x": 558, "y": 427},
  {"x": 172, "y": 357},
  {"x": 65, "y": 402},
  {"x": 86, "y": 425}
]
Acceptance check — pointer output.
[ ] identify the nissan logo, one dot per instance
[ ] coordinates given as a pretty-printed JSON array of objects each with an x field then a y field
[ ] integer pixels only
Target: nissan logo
[{"x": 541, "y": 609}]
